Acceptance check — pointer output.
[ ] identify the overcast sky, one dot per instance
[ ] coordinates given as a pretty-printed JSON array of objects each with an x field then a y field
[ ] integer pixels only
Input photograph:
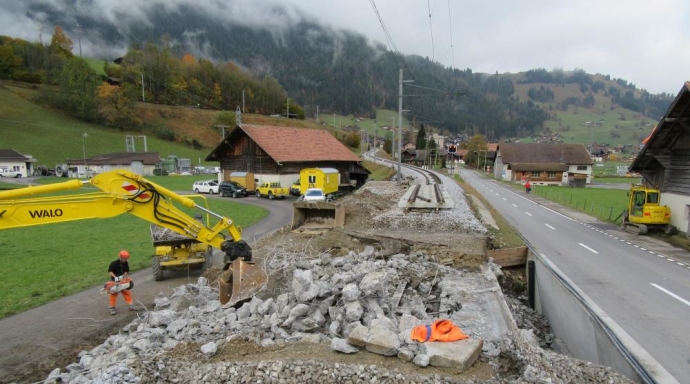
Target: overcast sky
[{"x": 646, "y": 42}]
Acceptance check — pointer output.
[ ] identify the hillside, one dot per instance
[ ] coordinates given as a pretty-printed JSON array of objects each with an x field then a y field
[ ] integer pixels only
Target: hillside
[
  {"x": 591, "y": 114},
  {"x": 51, "y": 137}
]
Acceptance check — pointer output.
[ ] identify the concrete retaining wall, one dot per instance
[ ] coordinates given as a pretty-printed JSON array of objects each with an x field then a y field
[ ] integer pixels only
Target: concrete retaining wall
[{"x": 586, "y": 330}]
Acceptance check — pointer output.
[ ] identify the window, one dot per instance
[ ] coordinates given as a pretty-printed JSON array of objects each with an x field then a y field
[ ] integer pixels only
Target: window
[
  {"x": 536, "y": 174},
  {"x": 551, "y": 175},
  {"x": 581, "y": 167}
]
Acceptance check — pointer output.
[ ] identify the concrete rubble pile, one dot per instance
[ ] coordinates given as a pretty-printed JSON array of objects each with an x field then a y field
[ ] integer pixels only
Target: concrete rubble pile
[{"x": 360, "y": 301}]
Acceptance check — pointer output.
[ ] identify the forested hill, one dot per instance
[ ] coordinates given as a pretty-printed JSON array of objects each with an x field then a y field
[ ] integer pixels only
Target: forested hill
[{"x": 338, "y": 71}]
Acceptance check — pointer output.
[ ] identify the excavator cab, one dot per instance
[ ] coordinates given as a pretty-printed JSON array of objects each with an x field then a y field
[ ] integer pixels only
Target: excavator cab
[{"x": 645, "y": 213}]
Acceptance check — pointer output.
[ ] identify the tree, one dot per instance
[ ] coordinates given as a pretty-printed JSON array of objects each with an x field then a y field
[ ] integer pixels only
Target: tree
[
  {"x": 420, "y": 142},
  {"x": 115, "y": 106},
  {"x": 60, "y": 43}
]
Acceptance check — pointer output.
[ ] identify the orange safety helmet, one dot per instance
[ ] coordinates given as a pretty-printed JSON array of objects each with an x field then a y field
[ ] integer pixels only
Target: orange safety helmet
[{"x": 124, "y": 254}]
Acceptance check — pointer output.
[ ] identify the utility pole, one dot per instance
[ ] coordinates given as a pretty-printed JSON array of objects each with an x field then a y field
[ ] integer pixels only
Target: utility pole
[
  {"x": 242, "y": 101},
  {"x": 78, "y": 28},
  {"x": 83, "y": 148},
  {"x": 143, "y": 98},
  {"x": 375, "y": 132},
  {"x": 334, "y": 120},
  {"x": 400, "y": 97},
  {"x": 393, "y": 141},
  {"x": 288, "y": 108},
  {"x": 238, "y": 118},
  {"x": 317, "y": 115}
]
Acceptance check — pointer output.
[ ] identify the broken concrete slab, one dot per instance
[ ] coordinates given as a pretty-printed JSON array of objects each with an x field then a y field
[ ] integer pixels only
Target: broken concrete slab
[{"x": 459, "y": 354}]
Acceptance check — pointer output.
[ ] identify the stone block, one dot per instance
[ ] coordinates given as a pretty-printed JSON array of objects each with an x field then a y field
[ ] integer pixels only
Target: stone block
[{"x": 459, "y": 354}]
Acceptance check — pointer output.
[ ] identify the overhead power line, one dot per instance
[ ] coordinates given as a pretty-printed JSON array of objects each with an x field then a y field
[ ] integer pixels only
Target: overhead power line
[
  {"x": 450, "y": 28},
  {"x": 431, "y": 30}
]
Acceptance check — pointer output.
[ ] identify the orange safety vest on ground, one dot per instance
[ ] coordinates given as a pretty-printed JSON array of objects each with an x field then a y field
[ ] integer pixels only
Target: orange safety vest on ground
[{"x": 440, "y": 330}]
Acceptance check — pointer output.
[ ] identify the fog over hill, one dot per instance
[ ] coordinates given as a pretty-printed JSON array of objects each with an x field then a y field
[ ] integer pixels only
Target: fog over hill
[{"x": 319, "y": 64}]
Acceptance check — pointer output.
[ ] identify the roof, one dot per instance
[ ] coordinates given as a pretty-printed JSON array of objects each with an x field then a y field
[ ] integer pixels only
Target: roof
[
  {"x": 12, "y": 155},
  {"x": 667, "y": 132},
  {"x": 544, "y": 153},
  {"x": 287, "y": 144},
  {"x": 147, "y": 158}
]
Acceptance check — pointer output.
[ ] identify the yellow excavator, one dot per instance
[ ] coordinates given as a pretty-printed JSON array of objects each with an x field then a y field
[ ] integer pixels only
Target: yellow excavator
[
  {"x": 125, "y": 192},
  {"x": 644, "y": 212}
]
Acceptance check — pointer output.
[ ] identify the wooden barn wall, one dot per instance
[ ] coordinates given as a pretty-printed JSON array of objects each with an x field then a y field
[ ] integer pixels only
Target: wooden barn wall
[
  {"x": 245, "y": 156},
  {"x": 677, "y": 175}
]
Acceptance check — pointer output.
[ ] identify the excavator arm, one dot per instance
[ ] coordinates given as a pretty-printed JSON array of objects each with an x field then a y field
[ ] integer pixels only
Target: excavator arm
[{"x": 121, "y": 192}]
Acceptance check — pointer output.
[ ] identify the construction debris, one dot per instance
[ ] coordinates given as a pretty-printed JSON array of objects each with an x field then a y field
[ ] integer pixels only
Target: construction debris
[{"x": 352, "y": 301}]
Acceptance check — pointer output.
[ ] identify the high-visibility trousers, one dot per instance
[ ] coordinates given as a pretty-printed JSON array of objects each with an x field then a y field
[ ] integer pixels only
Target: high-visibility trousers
[{"x": 127, "y": 294}]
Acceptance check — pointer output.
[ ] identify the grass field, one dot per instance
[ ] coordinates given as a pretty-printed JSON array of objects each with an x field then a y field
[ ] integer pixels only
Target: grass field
[
  {"x": 43, "y": 263},
  {"x": 602, "y": 203}
]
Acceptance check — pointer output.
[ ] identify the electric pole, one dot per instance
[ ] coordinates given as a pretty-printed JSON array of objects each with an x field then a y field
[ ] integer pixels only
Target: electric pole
[
  {"x": 242, "y": 101},
  {"x": 317, "y": 115},
  {"x": 143, "y": 98}
]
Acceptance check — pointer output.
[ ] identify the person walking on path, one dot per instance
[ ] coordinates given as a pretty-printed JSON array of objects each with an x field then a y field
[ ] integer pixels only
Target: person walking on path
[
  {"x": 118, "y": 271},
  {"x": 528, "y": 187}
]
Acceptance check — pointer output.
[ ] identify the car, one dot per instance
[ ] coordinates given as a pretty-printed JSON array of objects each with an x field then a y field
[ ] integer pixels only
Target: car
[
  {"x": 206, "y": 186},
  {"x": 232, "y": 188},
  {"x": 8, "y": 173},
  {"x": 295, "y": 189},
  {"x": 314, "y": 194}
]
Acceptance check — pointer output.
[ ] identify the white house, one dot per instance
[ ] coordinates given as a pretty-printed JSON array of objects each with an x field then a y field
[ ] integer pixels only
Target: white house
[{"x": 12, "y": 160}]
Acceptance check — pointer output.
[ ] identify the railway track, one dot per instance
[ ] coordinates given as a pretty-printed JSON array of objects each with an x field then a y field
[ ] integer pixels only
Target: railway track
[{"x": 427, "y": 193}]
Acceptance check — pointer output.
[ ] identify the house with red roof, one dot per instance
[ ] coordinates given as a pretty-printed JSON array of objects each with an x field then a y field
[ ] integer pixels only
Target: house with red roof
[
  {"x": 277, "y": 154},
  {"x": 544, "y": 164}
]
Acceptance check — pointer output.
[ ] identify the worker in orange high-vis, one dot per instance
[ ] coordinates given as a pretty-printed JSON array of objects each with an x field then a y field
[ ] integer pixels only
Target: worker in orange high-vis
[
  {"x": 119, "y": 272},
  {"x": 440, "y": 330}
]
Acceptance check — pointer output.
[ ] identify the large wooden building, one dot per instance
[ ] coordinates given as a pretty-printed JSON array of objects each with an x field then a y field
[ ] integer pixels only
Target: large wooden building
[
  {"x": 664, "y": 161},
  {"x": 544, "y": 164},
  {"x": 277, "y": 154}
]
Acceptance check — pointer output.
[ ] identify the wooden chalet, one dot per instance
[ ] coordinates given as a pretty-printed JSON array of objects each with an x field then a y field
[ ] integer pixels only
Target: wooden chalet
[
  {"x": 277, "y": 154},
  {"x": 664, "y": 161},
  {"x": 544, "y": 164}
]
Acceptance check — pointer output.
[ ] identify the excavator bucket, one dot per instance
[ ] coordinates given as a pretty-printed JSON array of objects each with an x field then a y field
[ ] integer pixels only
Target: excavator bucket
[
  {"x": 314, "y": 217},
  {"x": 240, "y": 282}
]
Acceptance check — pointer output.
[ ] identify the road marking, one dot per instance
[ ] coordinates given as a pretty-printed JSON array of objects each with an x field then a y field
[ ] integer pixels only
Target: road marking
[
  {"x": 681, "y": 264},
  {"x": 662, "y": 256},
  {"x": 644, "y": 249},
  {"x": 550, "y": 226},
  {"x": 670, "y": 259},
  {"x": 528, "y": 214},
  {"x": 588, "y": 248},
  {"x": 666, "y": 291},
  {"x": 514, "y": 205},
  {"x": 505, "y": 199}
]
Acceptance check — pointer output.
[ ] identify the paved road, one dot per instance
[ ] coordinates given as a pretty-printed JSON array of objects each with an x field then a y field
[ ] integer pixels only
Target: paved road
[
  {"x": 51, "y": 335},
  {"x": 643, "y": 284}
]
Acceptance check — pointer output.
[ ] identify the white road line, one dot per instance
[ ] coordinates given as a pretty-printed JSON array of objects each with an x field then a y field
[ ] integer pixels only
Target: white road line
[
  {"x": 550, "y": 226},
  {"x": 514, "y": 205},
  {"x": 505, "y": 199},
  {"x": 528, "y": 214},
  {"x": 588, "y": 248},
  {"x": 681, "y": 264},
  {"x": 666, "y": 291}
]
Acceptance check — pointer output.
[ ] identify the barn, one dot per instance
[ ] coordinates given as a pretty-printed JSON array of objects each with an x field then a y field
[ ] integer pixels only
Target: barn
[{"x": 277, "y": 154}]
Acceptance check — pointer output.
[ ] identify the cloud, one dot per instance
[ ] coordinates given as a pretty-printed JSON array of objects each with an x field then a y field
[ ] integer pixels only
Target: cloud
[{"x": 644, "y": 42}]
